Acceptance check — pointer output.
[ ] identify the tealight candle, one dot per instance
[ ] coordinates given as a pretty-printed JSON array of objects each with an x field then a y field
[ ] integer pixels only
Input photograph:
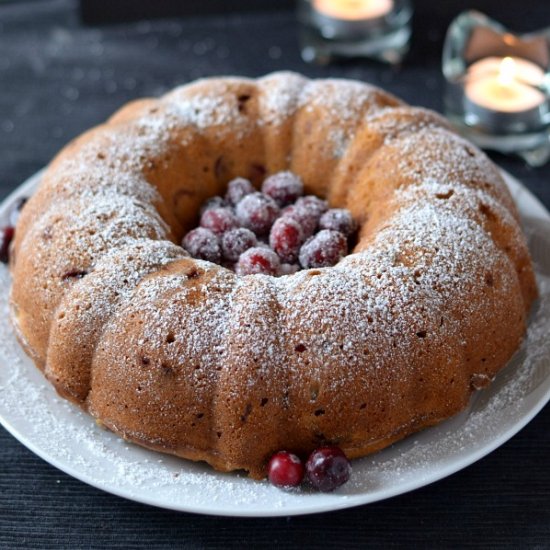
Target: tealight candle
[
  {"x": 379, "y": 29},
  {"x": 505, "y": 84},
  {"x": 498, "y": 86},
  {"x": 354, "y": 10},
  {"x": 349, "y": 18}
]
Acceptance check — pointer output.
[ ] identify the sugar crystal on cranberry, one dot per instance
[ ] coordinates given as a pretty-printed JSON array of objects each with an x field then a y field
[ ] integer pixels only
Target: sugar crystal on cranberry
[
  {"x": 236, "y": 241},
  {"x": 313, "y": 204},
  {"x": 324, "y": 249},
  {"x": 258, "y": 260},
  {"x": 219, "y": 220},
  {"x": 307, "y": 219},
  {"x": 338, "y": 219},
  {"x": 286, "y": 238},
  {"x": 283, "y": 187},
  {"x": 213, "y": 202},
  {"x": 203, "y": 244},
  {"x": 237, "y": 189},
  {"x": 257, "y": 212}
]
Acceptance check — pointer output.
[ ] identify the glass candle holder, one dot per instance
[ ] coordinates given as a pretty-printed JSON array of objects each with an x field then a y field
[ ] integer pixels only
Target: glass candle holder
[
  {"x": 376, "y": 29},
  {"x": 498, "y": 86}
]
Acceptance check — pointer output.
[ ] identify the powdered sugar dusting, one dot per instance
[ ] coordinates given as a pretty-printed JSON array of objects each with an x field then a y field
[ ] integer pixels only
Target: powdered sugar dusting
[
  {"x": 71, "y": 439},
  {"x": 340, "y": 99},
  {"x": 279, "y": 96},
  {"x": 312, "y": 336}
]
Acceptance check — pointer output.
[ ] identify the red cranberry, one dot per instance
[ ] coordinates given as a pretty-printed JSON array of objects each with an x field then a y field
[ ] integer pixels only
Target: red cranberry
[
  {"x": 236, "y": 241},
  {"x": 16, "y": 211},
  {"x": 286, "y": 238},
  {"x": 202, "y": 244},
  {"x": 324, "y": 249},
  {"x": 237, "y": 189},
  {"x": 219, "y": 220},
  {"x": 313, "y": 204},
  {"x": 283, "y": 187},
  {"x": 258, "y": 260},
  {"x": 338, "y": 219},
  {"x": 307, "y": 219},
  {"x": 285, "y": 470},
  {"x": 257, "y": 212},
  {"x": 6, "y": 236},
  {"x": 213, "y": 202},
  {"x": 328, "y": 468}
]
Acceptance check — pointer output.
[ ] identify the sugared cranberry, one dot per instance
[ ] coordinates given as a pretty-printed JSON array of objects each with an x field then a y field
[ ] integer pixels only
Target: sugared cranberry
[
  {"x": 237, "y": 189},
  {"x": 324, "y": 249},
  {"x": 313, "y": 204},
  {"x": 16, "y": 211},
  {"x": 286, "y": 238},
  {"x": 307, "y": 219},
  {"x": 6, "y": 236},
  {"x": 257, "y": 212},
  {"x": 213, "y": 202},
  {"x": 285, "y": 470},
  {"x": 201, "y": 243},
  {"x": 328, "y": 468},
  {"x": 248, "y": 231},
  {"x": 219, "y": 220},
  {"x": 236, "y": 241},
  {"x": 258, "y": 260},
  {"x": 283, "y": 187},
  {"x": 338, "y": 219}
]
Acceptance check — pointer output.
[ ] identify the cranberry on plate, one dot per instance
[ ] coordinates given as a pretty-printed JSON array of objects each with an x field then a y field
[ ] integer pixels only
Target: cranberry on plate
[
  {"x": 6, "y": 236},
  {"x": 328, "y": 468},
  {"x": 285, "y": 470}
]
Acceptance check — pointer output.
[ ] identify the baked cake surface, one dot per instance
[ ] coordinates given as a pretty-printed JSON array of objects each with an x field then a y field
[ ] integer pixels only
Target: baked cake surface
[{"x": 184, "y": 356}]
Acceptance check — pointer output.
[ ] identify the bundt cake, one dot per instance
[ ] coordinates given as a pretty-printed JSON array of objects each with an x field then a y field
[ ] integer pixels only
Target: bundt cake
[{"x": 186, "y": 357}]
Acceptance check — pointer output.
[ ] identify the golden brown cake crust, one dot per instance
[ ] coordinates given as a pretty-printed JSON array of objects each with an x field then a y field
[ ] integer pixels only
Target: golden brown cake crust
[{"x": 183, "y": 356}]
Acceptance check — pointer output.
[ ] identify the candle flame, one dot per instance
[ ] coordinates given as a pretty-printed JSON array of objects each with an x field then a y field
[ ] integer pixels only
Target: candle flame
[
  {"x": 353, "y": 9},
  {"x": 507, "y": 71}
]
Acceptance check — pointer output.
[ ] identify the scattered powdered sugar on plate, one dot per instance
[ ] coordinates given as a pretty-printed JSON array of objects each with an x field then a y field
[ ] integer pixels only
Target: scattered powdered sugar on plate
[{"x": 70, "y": 439}]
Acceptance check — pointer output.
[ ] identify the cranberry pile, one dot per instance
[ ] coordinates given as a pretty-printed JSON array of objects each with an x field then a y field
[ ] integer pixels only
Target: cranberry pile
[
  {"x": 275, "y": 232},
  {"x": 326, "y": 469}
]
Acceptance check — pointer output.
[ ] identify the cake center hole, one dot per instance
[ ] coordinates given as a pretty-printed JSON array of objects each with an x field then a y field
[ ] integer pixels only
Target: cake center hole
[{"x": 275, "y": 231}]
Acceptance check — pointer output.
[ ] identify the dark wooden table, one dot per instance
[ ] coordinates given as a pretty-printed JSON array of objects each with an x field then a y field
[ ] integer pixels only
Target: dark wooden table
[{"x": 57, "y": 78}]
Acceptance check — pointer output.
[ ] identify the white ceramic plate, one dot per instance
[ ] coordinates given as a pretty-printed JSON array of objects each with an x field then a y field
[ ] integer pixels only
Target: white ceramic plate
[{"x": 70, "y": 440}]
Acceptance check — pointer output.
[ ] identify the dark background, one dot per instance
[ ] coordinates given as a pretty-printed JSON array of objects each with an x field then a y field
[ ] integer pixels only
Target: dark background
[{"x": 58, "y": 77}]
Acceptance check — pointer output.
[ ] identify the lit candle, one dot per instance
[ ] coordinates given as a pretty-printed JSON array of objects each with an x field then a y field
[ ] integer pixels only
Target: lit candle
[
  {"x": 507, "y": 85},
  {"x": 348, "y": 19},
  {"x": 354, "y": 10},
  {"x": 332, "y": 29}
]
